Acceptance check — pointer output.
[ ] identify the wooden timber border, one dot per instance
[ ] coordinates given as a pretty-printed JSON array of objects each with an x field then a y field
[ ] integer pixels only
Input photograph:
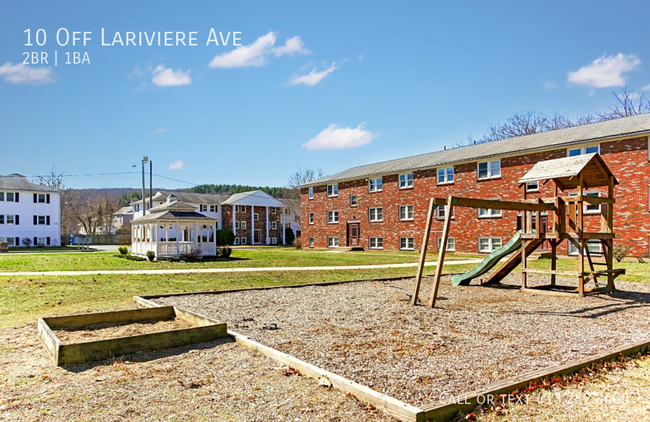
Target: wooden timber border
[
  {"x": 438, "y": 412},
  {"x": 207, "y": 329}
]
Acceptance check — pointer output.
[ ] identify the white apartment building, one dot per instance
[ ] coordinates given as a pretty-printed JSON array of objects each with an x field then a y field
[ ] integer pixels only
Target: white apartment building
[{"x": 29, "y": 211}]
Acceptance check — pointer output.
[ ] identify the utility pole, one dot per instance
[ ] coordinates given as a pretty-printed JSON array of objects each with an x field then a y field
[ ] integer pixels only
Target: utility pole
[
  {"x": 150, "y": 185},
  {"x": 144, "y": 206}
]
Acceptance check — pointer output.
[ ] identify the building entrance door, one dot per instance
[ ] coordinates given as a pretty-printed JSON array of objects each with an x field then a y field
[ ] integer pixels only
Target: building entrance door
[
  {"x": 258, "y": 236},
  {"x": 353, "y": 234}
]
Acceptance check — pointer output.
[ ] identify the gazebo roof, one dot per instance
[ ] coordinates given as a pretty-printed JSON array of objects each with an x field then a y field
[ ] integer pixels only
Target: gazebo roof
[
  {"x": 565, "y": 171},
  {"x": 170, "y": 211}
]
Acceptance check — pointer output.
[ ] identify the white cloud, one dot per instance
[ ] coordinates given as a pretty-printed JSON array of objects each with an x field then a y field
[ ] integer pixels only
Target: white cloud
[
  {"x": 160, "y": 130},
  {"x": 167, "y": 77},
  {"x": 177, "y": 165},
  {"x": 647, "y": 87},
  {"x": 255, "y": 54},
  {"x": 291, "y": 46},
  {"x": 605, "y": 71},
  {"x": 335, "y": 137},
  {"x": 20, "y": 73},
  {"x": 549, "y": 85},
  {"x": 313, "y": 77}
]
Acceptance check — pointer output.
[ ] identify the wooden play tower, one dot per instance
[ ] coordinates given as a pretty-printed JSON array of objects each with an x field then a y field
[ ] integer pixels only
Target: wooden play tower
[{"x": 569, "y": 178}]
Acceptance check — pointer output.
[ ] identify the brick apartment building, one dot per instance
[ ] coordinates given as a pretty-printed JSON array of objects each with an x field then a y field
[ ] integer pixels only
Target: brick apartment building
[{"x": 384, "y": 205}]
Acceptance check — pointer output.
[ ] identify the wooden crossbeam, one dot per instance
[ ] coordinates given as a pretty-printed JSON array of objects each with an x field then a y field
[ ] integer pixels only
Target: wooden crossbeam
[{"x": 495, "y": 204}]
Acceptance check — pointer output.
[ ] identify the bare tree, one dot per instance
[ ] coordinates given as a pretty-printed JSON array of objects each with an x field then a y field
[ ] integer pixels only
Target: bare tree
[
  {"x": 53, "y": 180},
  {"x": 628, "y": 102},
  {"x": 299, "y": 178},
  {"x": 93, "y": 214}
]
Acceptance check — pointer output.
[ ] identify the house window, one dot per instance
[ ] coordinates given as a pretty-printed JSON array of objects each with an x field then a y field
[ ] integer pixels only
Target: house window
[
  {"x": 445, "y": 175},
  {"x": 41, "y": 241},
  {"x": 9, "y": 240},
  {"x": 572, "y": 152},
  {"x": 274, "y": 225},
  {"x": 272, "y": 210},
  {"x": 10, "y": 219},
  {"x": 376, "y": 214},
  {"x": 244, "y": 240},
  {"x": 256, "y": 217},
  {"x": 203, "y": 208},
  {"x": 332, "y": 242},
  {"x": 333, "y": 190},
  {"x": 236, "y": 224},
  {"x": 375, "y": 185},
  {"x": 406, "y": 212},
  {"x": 311, "y": 193},
  {"x": 9, "y": 196},
  {"x": 353, "y": 200},
  {"x": 589, "y": 208},
  {"x": 489, "y": 169},
  {"x": 406, "y": 180},
  {"x": 406, "y": 243},
  {"x": 311, "y": 218},
  {"x": 236, "y": 241},
  {"x": 488, "y": 213},
  {"x": 451, "y": 244},
  {"x": 332, "y": 216},
  {"x": 594, "y": 246},
  {"x": 243, "y": 225},
  {"x": 311, "y": 242},
  {"x": 376, "y": 243},
  {"x": 274, "y": 240},
  {"x": 532, "y": 186},
  {"x": 488, "y": 244},
  {"x": 41, "y": 220},
  {"x": 441, "y": 212},
  {"x": 41, "y": 198},
  {"x": 213, "y": 208}
]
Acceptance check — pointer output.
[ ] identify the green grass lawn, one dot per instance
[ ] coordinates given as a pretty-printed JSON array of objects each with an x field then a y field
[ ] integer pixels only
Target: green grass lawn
[{"x": 262, "y": 257}]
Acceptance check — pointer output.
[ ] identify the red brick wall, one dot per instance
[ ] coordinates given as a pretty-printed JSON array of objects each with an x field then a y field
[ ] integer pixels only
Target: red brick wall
[
  {"x": 227, "y": 215},
  {"x": 627, "y": 159}
]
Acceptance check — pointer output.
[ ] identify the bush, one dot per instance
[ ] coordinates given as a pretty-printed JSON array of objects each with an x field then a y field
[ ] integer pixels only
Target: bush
[
  {"x": 151, "y": 255},
  {"x": 224, "y": 252},
  {"x": 620, "y": 252},
  {"x": 123, "y": 250},
  {"x": 289, "y": 237},
  {"x": 190, "y": 256},
  {"x": 27, "y": 242},
  {"x": 224, "y": 237},
  {"x": 297, "y": 243},
  {"x": 134, "y": 258}
]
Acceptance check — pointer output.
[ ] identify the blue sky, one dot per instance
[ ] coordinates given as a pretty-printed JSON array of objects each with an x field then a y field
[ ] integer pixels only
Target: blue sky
[{"x": 324, "y": 85}]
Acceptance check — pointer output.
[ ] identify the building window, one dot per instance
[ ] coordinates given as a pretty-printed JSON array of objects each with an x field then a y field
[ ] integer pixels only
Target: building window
[
  {"x": 406, "y": 212},
  {"x": 441, "y": 212},
  {"x": 272, "y": 210},
  {"x": 244, "y": 240},
  {"x": 311, "y": 193},
  {"x": 310, "y": 242},
  {"x": 256, "y": 216},
  {"x": 376, "y": 243},
  {"x": 213, "y": 208},
  {"x": 274, "y": 240},
  {"x": 9, "y": 197},
  {"x": 9, "y": 240},
  {"x": 41, "y": 241},
  {"x": 236, "y": 225},
  {"x": 489, "y": 169},
  {"x": 311, "y": 218},
  {"x": 353, "y": 200},
  {"x": 203, "y": 208},
  {"x": 243, "y": 225},
  {"x": 236, "y": 241},
  {"x": 41, "y": 199},
  {"x": 333, "y": 190},
  {"x": 376, "y": 214},
  {"x": 488, "y": 244},
  {"x": 406, "y": 180},
  {"x": 532, "y": 186},
  {"x": 589, "y": 208},
  {"x": 274, "y": 225},
  {"x": 332, "y": 242},
  {"x": 488, "y": 213},
  {"x": 375, "y": 185},
  {"x": 451, "y": 244},
  {"x": 406, "y": 243},
  {"x": 10, "y": 219},
  {"x": 332, "y": 217},
  {"x": 445, "y": 175},
  {"x": 572, "y": 152},
  {"x": 594, "y": 246},
  {"x": 41, "y": 220},
  {"x": 2, "y": 194}
]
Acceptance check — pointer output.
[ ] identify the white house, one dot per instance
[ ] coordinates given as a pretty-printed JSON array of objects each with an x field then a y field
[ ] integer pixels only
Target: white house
[{"x": 29, "y": 211}]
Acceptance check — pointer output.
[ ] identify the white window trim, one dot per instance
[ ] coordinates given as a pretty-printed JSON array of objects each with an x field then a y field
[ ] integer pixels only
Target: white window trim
[
  {"x": 256, "y": 217},
  {"x": 491, "y": 240},
  {"x": 274, "y": 240},
  {"x": 448, "y": 249},
  {"x": 356, "y": 200},
  {"x": 310, "y": 193},
  {"x": 244, "y": 241},
  {"x": 243, "y": 225},
  {"x": 274, "y": 225},
  {"x": 370, "y": 219},
  {"x": 586, "y": 211},
  {"x": 334, "y": 194},
  {"x": 446, "y": 181},
  {"x": 489, "y": 166},
  {"x": 336, "y": 240},
  {"x": 406, "y": 248},
  {"x": 573, "y": 250},
  {"x": 399, "y": 181},
  {"x": 310, "y": 218},
  {"x": 491, "y": 213},
  {"x": 375, "y": 179},
  {"x": 583, "y": 148},
  {"x": 399, "y": 212},
  {"x": 310, "y": 242},
  {"x": 532, "y": 190},
  {"x": 331, "y": 221},
  {"x": 444, "y": 207},
  {"x": 375, "y": 247},
  {"x": 236, "y": 240}
]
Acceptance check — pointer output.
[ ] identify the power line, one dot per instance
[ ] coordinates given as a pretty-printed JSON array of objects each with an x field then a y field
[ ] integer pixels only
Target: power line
[{"x": 119, "y": 174}]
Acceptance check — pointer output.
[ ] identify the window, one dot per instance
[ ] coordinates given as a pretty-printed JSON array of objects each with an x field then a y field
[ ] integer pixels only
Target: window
[
  {"x": 10, "y": 219},
  {"x": 236, "y": 209},
  {"x": 406, "y": 243},
  {"x": 236, "y": 241},
  {"x": 488, "y": 244},
  {"x": 244, "y": 240},
  {"x": 274, "y": 225},
  {"x": 311, "y": 242},
  {"x": 2, "y": 194},
  {"x": 532, "y": 186},
  {"x": 592, "y": 209},
  {"x": 41, "y": 220},
  {"x": 41, "y": 199},
  {"x": 274, "y": 240},
  {"x": 213, "y": 208},
  {"x": 572, "y": 152},
  {"x": 332, "y": 216},
  {"x": 594, "y": 246},
  {"x": 272, "y": 210},
  {"x": 488, "y": 213},
  {"x": 376, "y": 214},
  {"x": 406, "y": 181},
  {"x": 41, "y": 241},
  {"x": 445, "y": 175},
  {"x": 256, "y": 217},
  {"x": 333, "y": 190},
  {"x": 9, "y": 196},
  {"x": 375, "y": 185},
  {"x": 243, "y": 225},
  {"x": 332, "y": 242},
  {"x": 489, "y": 169},
  {"x": 441, "y": 212},
  {"x": 376, "y": 243},
  {"x": 9, "y": 240},
  {"x": 353, "y": 200},
  {"x": 406, "y": 212},
  {"x": 451, "y": 244},
  {"x": 311, "y": 218},
  {"x": 236, "y": 225},
  {"x": 311, "y": 193},
  {"x": 203, "y": 208}
]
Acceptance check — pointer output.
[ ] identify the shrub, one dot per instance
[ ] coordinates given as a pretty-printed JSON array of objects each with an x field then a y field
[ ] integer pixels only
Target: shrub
[
  {"x": 225, "y": 252},
  {"x": 151, "y": 255},
  {"x": 289, "y": 237},
  {"x": 620, "y": 252},
  {"x": 224, "y": 237},
  {"x": 297, "y": 243},
  {"x": 27, "y": 242},
  {"x": 190, "y": 256},
  {"x": 123, "y": 250}
]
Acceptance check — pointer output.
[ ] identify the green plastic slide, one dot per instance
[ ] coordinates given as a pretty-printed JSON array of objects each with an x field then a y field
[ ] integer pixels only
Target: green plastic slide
[{"x": 490, "y": 261}]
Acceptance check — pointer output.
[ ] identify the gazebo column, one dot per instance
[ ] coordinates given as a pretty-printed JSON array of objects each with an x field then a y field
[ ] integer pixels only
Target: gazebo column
[
  {"x": 268, "y": 239},
  {"x": 252, "y": 225},
  {"x": 178, "y": 235}
]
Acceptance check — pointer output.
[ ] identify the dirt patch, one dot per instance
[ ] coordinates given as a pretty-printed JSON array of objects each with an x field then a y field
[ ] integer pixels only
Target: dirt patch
[{"x": 105, "y": 331}]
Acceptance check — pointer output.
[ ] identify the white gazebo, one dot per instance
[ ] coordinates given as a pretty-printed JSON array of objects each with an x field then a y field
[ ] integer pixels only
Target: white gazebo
[{"x": 174, "y": 229}]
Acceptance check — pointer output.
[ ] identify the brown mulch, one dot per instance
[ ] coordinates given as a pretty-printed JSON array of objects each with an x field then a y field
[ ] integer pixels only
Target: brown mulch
[{"x": 106, "y": 331}]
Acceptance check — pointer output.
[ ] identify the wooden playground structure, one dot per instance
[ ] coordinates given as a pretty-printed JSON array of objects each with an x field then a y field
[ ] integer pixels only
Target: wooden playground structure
[{"x": 569, "y": 178}]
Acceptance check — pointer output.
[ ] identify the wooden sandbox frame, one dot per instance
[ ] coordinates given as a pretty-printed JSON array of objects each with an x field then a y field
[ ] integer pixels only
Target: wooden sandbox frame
[
  {"x": 207, "y": 329},
  {"x": 443, "y": 411}
]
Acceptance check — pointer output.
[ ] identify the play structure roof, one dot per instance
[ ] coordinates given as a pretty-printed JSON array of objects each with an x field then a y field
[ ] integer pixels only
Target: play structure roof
[{"x": 565, "y": 171}]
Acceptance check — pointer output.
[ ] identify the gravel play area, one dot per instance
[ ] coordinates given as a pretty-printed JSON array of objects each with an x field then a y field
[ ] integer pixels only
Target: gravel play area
[
  {"x": 106, "y": 331},
  {"x": 369, "y": 333}
]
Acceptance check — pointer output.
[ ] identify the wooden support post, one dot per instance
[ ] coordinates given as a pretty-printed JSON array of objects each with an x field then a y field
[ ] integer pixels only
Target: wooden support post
[
  {"x": 524, "y": 275},
  {"x": 581, "y": 267},
  {"x": 423, "y": 254},
  {"x": 554, "y": 244},
  {"x": 609, "y": 255},
  {"x": 441, "y": 254}
]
